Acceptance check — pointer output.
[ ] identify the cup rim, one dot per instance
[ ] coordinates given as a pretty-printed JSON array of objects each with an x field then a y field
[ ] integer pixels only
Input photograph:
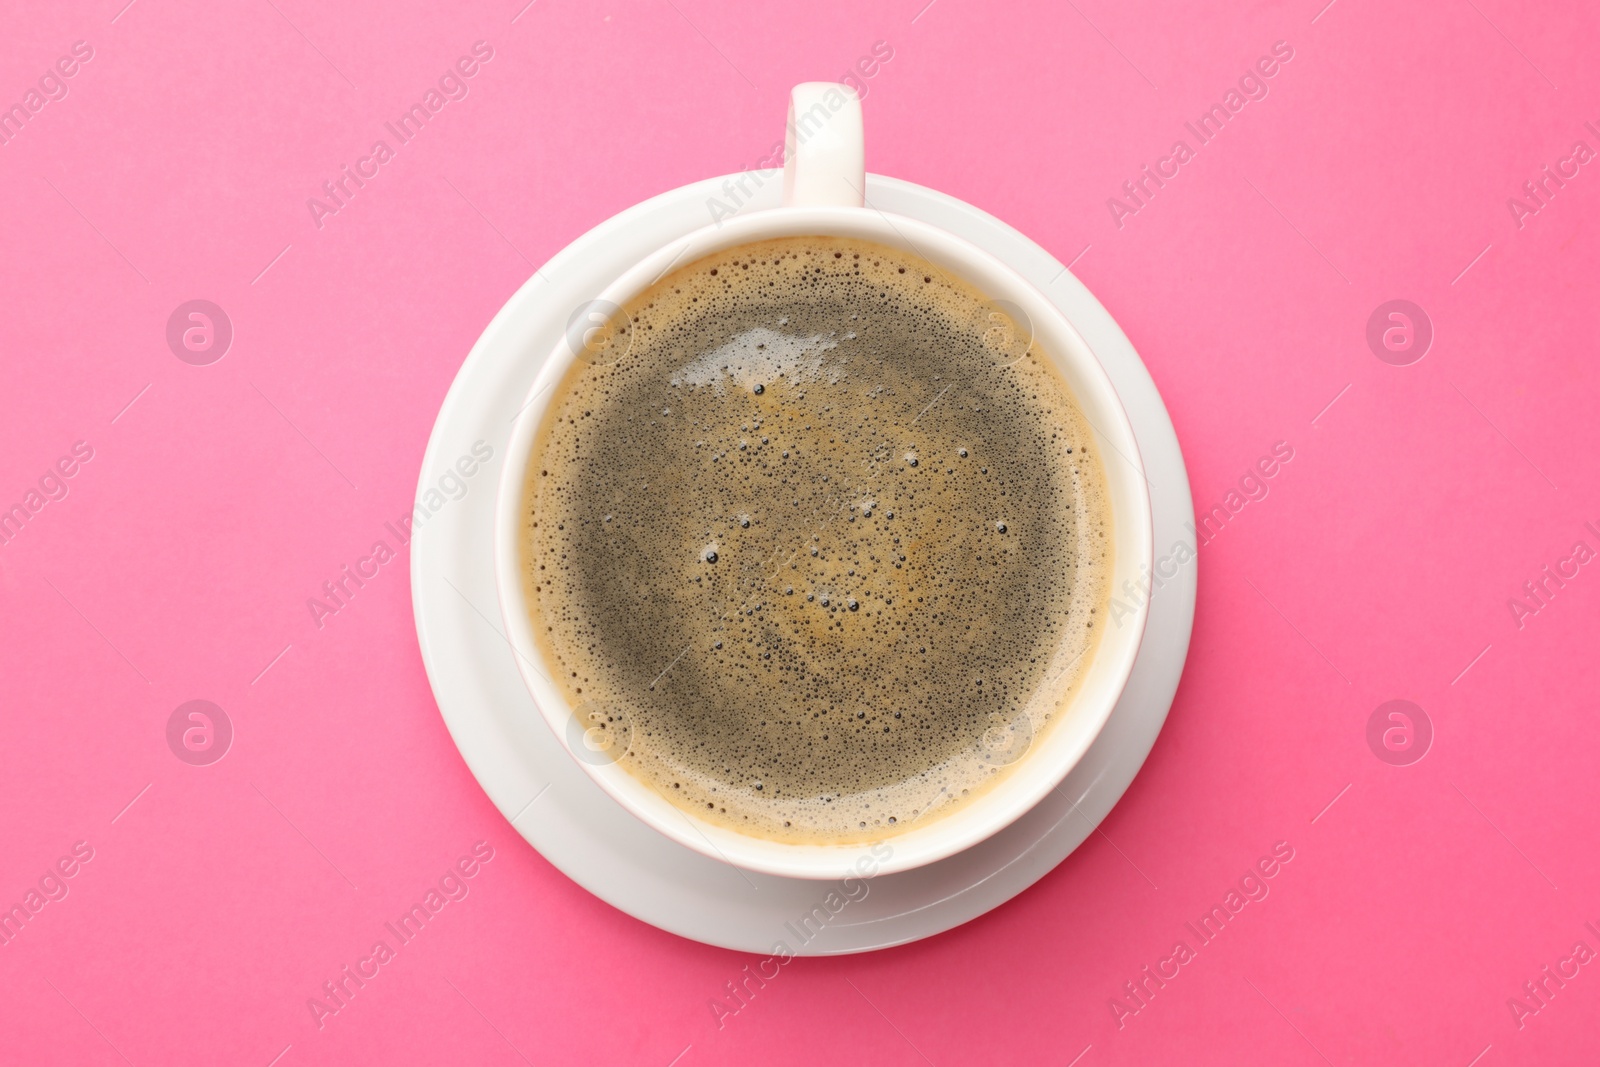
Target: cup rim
[{"x": 1102, "y": 683}]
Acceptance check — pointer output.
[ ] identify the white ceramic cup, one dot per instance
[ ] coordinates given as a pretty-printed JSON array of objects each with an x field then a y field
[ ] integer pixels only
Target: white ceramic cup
[{"x": 824, "y": 183}]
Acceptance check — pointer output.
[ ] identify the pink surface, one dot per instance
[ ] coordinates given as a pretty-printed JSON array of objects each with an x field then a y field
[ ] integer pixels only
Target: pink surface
[{"x": 1381, "y": 563}]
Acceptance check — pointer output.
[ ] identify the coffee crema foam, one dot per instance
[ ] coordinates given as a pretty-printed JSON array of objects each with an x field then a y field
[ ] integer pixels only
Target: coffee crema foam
[{"x": 824, "y": 549}]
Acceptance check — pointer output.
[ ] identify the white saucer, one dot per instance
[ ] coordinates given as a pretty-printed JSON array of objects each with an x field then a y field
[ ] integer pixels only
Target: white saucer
[{"x": 536, "y": 784}]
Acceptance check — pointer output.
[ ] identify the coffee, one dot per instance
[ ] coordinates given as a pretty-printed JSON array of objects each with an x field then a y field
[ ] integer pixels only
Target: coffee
[{"x": 816, "y": 540}]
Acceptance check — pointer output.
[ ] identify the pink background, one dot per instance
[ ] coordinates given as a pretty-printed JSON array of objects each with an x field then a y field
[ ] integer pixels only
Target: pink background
[{"x": 1378, "y": 567}]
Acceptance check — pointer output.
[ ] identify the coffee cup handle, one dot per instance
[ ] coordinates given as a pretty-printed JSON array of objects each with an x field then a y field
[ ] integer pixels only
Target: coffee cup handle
[{"x": 824, "y": 151}]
